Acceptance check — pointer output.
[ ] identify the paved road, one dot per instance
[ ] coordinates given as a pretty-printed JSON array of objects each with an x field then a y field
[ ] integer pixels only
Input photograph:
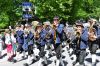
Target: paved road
[{"x": 4, "y": 62}]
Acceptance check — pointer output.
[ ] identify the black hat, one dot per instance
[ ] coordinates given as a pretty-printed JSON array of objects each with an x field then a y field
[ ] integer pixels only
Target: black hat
[
  {"x": 56, "y": 17},
  {"x": 79, "y": 23}
]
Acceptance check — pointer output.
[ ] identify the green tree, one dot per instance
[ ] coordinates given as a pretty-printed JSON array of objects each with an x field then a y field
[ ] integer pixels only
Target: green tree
[
  {"x": 10, "y": 11},
  {"x": 47, "y": 9},
  {"x": 71, "y": 10}
]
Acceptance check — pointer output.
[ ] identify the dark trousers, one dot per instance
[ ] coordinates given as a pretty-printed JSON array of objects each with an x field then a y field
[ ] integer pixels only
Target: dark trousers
[
  {"x": 58, "y": 50},
  {"x": 93, "y": 47},
  {"x": 99, "y": 42},
  {"x": 80, "y": 56},
  {"x": 42, "y": 52},
  {"x": 30, "y": 49},
  {"x": 19, "y": 48}
]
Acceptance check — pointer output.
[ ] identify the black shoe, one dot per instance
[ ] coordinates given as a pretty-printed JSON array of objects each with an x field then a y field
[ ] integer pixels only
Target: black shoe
[
  {"x": 0, "y": 57},
  {"x": 82, "y": 64},
  {"x": 14, "y": 61},
  {"x": 33, "y": 61},
  {"x": 71, "y": 58},
  {"x": 44, "y": 64},
  {"x": 63, "y": 51},
  {"x": 63, "y": 57},
  {"x": 63, "y": 46},
  {"x": 37, "y": 58},
  {"x": 87, "y": 53},
  {"x": 50, "y": 55},
  {"x": 10, "y": 59},
  {"x": 25, "y": 64},
  {"x": 74, "y": 63}
]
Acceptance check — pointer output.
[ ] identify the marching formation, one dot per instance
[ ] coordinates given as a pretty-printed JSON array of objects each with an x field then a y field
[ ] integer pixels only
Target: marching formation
[{"x": 52, "y": 37}]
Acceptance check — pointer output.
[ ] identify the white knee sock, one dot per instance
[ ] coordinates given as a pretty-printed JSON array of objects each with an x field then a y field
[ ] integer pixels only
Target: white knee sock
[
  {"x": 45, "y": 60},
  {"x": 24, "y": 54},
  {"x": 34, "y": 57},
  {"x": 57, "y": 62},
  {"x": 29, "y": 60},
  {"x": 61, "y": 61},
  {"x": 93, "y": 58},
  {"x": 39, "y": 64}
]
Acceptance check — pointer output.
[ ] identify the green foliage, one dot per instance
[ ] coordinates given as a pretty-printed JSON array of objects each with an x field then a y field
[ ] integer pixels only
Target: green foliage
[
  {"x": 4, "y": 20},
  {"x": 71, "y": 10},
  {"x": 49, "y": 8},
  {"x": 10, "y": 11}
]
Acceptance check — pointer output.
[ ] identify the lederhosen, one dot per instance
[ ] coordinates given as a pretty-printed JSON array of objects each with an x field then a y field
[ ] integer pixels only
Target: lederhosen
[
  {"x": 30, "y": 43},
  {"x": 49, "y": 38},
  {"x": 93, "y": 45},
  {"x": 20, "y": 40},
  {"x": 79, "y": 52},
  {"x": 42, "y": 43},
  {"x": 57, "y": 45},
  {"x": 58, "y": 49}
]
